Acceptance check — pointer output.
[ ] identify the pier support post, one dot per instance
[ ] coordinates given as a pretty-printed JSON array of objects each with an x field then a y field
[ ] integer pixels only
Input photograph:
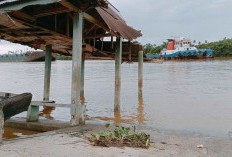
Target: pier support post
[
  {"x": 77, "y": 109},
  {"x": 130, "y": 51},
  {"x": 118, "y": 62},
  {"x": 140, "y": 74},
  {"x": 82, "y": 94},
  {"x": 1, "y": 124},
  {"x": 33, "y": 111},
  {"x": 47, "y": 72}
]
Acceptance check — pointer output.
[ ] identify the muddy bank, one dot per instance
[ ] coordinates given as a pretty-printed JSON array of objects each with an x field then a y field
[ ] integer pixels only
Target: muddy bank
[{"x": 71, "y": 142}]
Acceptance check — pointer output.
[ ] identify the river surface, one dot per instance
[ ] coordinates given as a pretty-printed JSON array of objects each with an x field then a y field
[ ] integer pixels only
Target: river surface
[{"x": 190, "y": 96}]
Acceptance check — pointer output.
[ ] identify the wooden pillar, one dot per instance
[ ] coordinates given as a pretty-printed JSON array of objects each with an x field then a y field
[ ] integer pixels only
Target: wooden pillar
[
  {"x": 33, "y": 111},
  {"x": 68, "y": 25},
  {"x": 47, "y": 72},
  {"x": 118, "y": 62},
  {"x": 77, "y": 110},
  {"x": 130, "y": 51},
  {"x": 1, "y": 124},
  {"x": 140, "y": 74},
  {"x": 112, "y": 43}
]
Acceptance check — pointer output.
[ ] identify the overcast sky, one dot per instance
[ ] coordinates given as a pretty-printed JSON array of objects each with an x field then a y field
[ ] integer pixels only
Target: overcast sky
[
  {"x": 161, "y": 19},
  {"x": 158, "y": 20}
]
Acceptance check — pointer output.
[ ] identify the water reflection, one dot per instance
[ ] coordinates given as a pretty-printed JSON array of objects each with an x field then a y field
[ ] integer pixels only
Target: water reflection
[
  {"x": 141, "y": 116},
  {"x": 118, "y": 119},
  {"x": 47, "y": 112},
  {"x": 10, "y": 133},
  {"x": 82, "y": 100}
]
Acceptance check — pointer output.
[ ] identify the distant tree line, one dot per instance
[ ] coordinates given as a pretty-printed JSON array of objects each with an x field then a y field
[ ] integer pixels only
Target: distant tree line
[
  {"x": 222, "y": 48},
  {"x": 62, "y": 57},
  {"x": 153, "y": 49}
]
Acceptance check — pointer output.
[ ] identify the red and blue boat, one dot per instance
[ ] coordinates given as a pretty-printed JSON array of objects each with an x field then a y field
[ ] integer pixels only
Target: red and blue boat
[{"x": 182, "y": 49}]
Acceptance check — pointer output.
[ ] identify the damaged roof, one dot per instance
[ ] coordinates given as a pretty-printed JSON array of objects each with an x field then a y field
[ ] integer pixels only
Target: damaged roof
[{"x": 38, "y": 22}]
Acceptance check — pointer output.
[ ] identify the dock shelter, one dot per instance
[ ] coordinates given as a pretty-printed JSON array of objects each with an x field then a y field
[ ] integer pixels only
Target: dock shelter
[{"x": 76, "y": 28}]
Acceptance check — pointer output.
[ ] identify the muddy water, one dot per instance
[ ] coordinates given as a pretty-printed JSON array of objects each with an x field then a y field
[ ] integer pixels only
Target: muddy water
[
  {"x": 10, "y": 133},
  {"x": 193, "y": 96}
]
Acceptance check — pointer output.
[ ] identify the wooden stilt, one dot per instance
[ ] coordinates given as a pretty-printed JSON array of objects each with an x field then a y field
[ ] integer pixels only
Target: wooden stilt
[
  {"x": 140, "y": 74},
  {"x": 118, "y": 62},
  {"x": 130, "y": 51},
  {"x": 47, "y": 73},
  {"x": 112, "y": 44},
  {"x": 77, "y": 110},
  {"x": 33, "y": 111},
  {"x": 82, "y": 94}
]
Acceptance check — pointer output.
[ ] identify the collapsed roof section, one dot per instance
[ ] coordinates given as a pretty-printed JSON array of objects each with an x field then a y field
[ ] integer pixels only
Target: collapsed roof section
[{"x": 36, "y": 23}]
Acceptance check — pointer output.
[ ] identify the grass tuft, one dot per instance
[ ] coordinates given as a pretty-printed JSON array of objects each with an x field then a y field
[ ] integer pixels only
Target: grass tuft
[{"x": 120, "y": 137}]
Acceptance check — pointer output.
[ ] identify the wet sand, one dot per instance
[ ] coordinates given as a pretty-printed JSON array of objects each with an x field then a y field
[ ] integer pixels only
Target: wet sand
[{"x": 63, "y": 143}]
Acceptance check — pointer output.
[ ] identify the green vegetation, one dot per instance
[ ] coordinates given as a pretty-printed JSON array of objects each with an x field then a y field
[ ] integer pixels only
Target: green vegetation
[
  {"x": 222, "y": 48},
  {"x": 153, "y": 49},
  {"x": 121, "y": 136},
  {"x": 62, "y": 57}
]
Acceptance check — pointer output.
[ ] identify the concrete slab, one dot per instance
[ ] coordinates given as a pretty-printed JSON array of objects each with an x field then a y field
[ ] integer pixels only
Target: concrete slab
[{"x": 42, "y": 125}]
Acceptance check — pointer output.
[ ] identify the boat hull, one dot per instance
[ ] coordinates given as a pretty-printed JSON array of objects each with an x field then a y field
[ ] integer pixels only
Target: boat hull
[
  {"x": 188, "y": 54},
  {"x": 14, "y": 105},
  {"x": 28, "y": 57}
]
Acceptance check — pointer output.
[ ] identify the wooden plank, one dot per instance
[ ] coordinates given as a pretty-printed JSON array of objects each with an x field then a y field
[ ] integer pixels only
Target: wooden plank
[
  {"x": 52, "y": 11},
  {"x": 23, "y": 15},
  {"x": 40, "y": 103},
  {"x": 17, "y": 18},
  {"x": 98, "y": 36}
]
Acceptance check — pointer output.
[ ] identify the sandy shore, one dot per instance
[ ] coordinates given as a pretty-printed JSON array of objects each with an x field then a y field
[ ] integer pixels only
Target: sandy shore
[{"x": 63, "y": 143}]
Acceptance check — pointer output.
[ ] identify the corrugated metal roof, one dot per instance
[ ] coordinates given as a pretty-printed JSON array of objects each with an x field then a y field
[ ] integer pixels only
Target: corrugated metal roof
[
  {"x": 117, "y": 24},
  {"x": 9, "y": 5},
  {"x": 7, "y": 1}
]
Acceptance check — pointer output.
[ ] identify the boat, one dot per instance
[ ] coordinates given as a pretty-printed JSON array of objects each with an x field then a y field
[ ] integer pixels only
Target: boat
[
  {"x": 13, "y": 104},
  {"x": 30, "y": 56},
  {"x": 182, "y": 49}
]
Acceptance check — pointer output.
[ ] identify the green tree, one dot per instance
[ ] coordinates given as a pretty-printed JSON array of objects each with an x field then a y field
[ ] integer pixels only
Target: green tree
[
  {"x": 148, "y": 47},
  {"x": 221, "y": 48}
]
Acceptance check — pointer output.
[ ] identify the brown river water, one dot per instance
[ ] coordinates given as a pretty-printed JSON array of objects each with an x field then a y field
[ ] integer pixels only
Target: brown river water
[{"x": 189, "y": 96}]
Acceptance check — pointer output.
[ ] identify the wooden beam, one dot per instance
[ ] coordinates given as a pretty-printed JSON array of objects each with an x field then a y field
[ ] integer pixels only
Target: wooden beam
[
  {"x": 86, "y": 16},
  {"x": 23, "y": 16},
  {"x": 68, "y": 22},
  {"x": 53, "y": 11},
  {"x": 98, "y": 36},
  {"x": 69, "y": 5},
  {"x": 19, "y": 19}
]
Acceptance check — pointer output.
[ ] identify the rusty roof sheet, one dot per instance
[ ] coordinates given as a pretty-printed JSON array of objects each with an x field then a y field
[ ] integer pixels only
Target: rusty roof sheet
[{"x": 117, "y": 24}]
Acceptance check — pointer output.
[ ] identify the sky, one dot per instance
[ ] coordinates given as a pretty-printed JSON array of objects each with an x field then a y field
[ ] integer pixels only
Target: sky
[{"x": 159, "y": 20}]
